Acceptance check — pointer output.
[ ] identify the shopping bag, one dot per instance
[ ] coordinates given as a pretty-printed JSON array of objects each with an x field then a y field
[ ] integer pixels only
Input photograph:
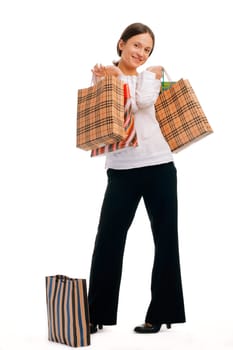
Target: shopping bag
[
  {"x": 67, "y": 310},
  {"x": 100, "y": 114},
  {"x": 131, "y": 137},
  {"x": 180, "y": 115}
]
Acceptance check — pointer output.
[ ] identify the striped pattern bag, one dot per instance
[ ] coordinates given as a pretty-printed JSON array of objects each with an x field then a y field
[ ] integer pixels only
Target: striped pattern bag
[
  {"x": 180, "y": 115},
  {"x": 67, "y": 310},
  {"x": 131, "y": 138},
  {"x": 100, "y": 114}
]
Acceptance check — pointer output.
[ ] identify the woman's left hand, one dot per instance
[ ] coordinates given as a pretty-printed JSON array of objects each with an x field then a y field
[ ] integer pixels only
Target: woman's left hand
[{"x": 158, "y": 70}]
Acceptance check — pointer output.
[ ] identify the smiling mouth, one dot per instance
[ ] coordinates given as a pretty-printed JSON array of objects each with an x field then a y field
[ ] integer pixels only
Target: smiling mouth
[{"x": 137, "y": 59}]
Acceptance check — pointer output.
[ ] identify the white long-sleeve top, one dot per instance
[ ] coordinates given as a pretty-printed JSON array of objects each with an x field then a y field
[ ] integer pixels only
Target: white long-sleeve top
[{"x": 152, "y": 147}]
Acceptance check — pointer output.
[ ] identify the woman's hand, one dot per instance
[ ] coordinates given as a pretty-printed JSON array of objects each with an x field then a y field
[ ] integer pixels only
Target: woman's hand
[
  {"x": 158, "y": 70},
  {"x": 101, "y": 71}
]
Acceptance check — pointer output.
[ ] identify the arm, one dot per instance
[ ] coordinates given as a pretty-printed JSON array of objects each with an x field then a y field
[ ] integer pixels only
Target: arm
[{"x": 147, "y": 89}]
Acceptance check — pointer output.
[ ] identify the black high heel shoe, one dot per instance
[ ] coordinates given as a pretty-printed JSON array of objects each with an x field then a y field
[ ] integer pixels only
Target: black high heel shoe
[
  {"x": 94, "y": 327},
  {"x": 150, "y": 328}
]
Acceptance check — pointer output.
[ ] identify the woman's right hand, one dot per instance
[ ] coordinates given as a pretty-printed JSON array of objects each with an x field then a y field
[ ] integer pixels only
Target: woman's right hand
[{"x": 101, "y": 71}]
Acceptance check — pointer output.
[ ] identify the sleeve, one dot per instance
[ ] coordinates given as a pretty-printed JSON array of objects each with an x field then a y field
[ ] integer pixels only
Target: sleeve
[{"x": 147, "y": 89}]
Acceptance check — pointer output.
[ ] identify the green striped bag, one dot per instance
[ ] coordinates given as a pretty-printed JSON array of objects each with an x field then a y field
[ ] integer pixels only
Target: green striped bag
[{"x": 67, "y": 310}]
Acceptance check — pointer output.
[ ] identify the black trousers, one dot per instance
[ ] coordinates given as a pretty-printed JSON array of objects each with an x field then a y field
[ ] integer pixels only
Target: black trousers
[{"x": 157, "y": 185}]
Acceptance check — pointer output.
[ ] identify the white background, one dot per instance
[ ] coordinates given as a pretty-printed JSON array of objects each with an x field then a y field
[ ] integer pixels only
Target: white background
[{"x": 51, "y": 192}]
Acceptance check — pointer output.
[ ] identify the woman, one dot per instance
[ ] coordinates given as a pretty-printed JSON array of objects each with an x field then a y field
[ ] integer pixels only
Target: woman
[{"x": 146, "y": 171}]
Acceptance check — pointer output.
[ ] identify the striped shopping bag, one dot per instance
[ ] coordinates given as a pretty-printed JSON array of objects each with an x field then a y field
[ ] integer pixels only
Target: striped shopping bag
[{"x": 67, "y": 310}]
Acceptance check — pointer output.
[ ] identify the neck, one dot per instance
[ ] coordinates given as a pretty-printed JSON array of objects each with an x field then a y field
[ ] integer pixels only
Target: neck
[{"x": 127, "y": 70}]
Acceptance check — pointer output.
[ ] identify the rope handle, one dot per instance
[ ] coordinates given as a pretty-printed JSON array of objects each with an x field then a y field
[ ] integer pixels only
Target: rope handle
[
  {"x": 167, "y": 76},
  {"x": 165, "y": 85}
]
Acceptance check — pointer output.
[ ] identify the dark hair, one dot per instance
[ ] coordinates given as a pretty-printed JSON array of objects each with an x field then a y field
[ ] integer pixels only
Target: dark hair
[{"x": 135, "y": 29}]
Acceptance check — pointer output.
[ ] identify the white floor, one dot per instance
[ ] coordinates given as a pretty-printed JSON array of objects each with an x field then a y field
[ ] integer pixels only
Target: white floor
[{"x": 211, "y": 336}]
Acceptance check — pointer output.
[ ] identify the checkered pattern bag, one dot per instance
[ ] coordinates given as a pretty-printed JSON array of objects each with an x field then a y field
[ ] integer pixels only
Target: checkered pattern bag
[
  {"x": 67, "y": 310},
  {"x": 100, "y": 114},
  {"x": 180, "y": 115},
  {"x": 131, "y": 138}
]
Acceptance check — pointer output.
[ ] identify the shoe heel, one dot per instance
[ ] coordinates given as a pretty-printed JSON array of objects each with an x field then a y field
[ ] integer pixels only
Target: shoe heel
[
  {"x": 169, "y": 325},
  {"x": 94, "y": 327}
]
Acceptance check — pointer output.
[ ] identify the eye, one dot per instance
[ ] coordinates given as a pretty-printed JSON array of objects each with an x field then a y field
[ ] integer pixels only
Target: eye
[{"x": 147, "y": 51}]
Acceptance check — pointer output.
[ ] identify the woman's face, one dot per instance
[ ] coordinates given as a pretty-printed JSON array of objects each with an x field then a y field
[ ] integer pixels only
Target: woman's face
[{"x": 136, "y": 50}]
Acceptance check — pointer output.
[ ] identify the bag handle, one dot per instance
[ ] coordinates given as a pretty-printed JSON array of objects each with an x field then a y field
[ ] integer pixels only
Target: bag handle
[
  {"x": 167, "y": 76},
  {"x": 166, "y": 85},
  {"x": 95, "y": 80},
  {"x": 61, "y": 278}
]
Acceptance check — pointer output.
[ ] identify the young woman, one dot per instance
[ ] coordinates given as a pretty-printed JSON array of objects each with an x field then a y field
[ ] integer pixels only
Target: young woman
[{"x": 146, "y": 171}]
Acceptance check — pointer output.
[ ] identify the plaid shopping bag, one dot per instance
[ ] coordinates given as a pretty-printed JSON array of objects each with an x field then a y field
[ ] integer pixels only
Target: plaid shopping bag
[
  {"x": 67, "y": 310},
  {"x": 131, "y": 138},
  {"x": 100, "y": 114},
  {"x": 180, "y": 116}
]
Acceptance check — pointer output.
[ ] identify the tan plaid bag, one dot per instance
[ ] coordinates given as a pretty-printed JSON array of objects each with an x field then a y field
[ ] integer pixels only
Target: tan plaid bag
[
  {"x": 180, "y": 115},
  {"x": 100, "y": 114},
  {"x": 131, "y": 138}
]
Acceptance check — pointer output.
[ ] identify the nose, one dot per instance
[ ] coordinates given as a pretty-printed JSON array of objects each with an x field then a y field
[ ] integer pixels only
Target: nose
[{"x": 141, "y": 51}]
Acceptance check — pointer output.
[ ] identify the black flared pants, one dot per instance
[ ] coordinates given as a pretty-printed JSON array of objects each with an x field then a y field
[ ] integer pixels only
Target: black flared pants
[{"x": 157, "y": 185}]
